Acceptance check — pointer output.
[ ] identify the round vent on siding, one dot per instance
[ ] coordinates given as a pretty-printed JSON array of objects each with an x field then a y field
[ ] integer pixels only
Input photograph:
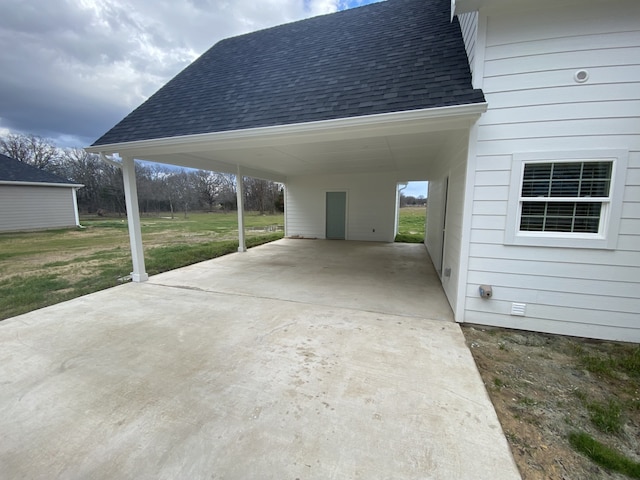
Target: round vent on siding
[{"x": 581, "y": 76}]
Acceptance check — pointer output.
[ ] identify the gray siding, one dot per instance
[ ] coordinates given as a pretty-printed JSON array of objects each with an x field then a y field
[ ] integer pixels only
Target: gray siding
[{"x": 35, "y": 207}]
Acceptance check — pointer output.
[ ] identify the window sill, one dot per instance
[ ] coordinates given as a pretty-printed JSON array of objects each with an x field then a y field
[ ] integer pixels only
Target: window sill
[{"x": 561, "y": 241}]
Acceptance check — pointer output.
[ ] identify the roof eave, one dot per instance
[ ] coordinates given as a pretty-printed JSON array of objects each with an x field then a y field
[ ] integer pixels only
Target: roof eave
[
  {"x": 264, "y": 135},
  {"x": 40, "y": 184}
]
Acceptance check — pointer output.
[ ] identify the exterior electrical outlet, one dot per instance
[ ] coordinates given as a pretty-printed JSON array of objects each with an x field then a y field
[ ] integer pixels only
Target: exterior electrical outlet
[{"x": 485, "y": 291}]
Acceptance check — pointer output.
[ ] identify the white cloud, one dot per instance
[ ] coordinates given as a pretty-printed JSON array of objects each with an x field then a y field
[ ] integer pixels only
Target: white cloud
[
  {"x": 73, "y": 68},
  {"x": 322, "y": 7}
]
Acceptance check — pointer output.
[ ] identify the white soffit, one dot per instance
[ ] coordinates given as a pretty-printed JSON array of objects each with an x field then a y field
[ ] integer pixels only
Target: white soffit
[{"x": 386, "y": 142}]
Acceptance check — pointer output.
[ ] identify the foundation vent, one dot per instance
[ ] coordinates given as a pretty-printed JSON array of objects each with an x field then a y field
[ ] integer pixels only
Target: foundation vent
[{"x": 518, "y": 309}]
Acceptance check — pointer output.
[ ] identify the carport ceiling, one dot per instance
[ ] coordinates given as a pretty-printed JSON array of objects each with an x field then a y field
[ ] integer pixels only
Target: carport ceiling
[
  {"x": 408, "y": 144},
  {"x": 374, "y": 154}
]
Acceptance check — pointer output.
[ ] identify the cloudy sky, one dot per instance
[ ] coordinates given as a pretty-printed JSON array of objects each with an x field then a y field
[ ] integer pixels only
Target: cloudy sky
[{"x": 71, "y": 69}]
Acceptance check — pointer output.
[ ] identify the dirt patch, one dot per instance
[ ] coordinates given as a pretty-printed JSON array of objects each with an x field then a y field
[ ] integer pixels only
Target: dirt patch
[{"x": 545, "y": 387}]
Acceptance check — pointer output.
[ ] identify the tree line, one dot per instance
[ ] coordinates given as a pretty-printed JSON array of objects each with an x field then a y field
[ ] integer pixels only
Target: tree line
[
  {"x": 411, "y": 201},
  {"x": 160, "y": 188}
]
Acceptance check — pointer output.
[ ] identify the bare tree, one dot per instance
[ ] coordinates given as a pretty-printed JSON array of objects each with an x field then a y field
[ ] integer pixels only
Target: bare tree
[
  {"x": 151, "y": 185},
  {"x": 261, "y": 195},
  {"x": 87, "y": 169},
  {"x": 182, "y": 191},
  {"x": 32, "y": 149},
  {"x": 227, "y": 197},
  {"x": 160, "y": 188},
  {"x": 208, "y": 187},
  {"x": 112, "y": 190}
]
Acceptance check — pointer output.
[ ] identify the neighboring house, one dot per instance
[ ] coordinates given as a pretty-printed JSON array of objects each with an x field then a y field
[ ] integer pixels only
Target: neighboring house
[
  {"x": 521, "y": 114},
  {"x": 32, "y": 199}
]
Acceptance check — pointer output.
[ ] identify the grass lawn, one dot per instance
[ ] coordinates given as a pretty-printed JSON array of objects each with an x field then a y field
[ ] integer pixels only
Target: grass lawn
[
  {"x": 411, "y": 226},
  {"x": 42, "y": 268}
]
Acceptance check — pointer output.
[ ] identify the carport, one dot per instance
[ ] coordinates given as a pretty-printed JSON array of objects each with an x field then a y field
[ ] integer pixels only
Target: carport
[
  {"x": 389, "y": 147},
  {"x": 252, "y": 365},
  {"x": 340, "y": 127}
]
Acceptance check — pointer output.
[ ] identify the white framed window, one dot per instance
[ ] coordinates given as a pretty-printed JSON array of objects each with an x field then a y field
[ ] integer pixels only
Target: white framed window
[{"x": 566, "y": 199}]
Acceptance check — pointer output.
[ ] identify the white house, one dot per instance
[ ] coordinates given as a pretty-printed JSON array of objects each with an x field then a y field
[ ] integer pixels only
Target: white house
[
  {"x": 32, "y": 199},
  {"x": 551, "y": 201},
  {"x": 521, "y": 114}
]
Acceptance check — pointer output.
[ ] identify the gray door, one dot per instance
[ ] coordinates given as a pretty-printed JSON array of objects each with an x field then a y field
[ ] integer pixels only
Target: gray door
[{"x": 336, "y": 215}]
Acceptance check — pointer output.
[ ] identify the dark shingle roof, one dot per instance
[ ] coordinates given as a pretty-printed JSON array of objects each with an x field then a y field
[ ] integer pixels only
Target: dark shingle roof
[
  {"x": 12, "y": 170},
  {"x": 385, "y": 57}
]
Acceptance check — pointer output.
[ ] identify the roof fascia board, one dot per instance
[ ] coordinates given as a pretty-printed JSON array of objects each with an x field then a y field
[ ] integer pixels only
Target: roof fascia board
[
  {"x": 465, "y": 6},
  {"x": 40, "y": 184},
  {"x": 395, "y": 122},
  {"x": 312, "y": 136}
]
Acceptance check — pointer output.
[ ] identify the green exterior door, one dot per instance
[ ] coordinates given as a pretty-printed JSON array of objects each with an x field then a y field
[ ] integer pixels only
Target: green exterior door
[{"x": 336, "y": 215}]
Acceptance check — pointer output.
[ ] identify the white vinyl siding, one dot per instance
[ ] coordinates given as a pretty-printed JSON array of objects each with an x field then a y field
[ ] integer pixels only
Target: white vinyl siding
[
  {"x": 453, "y": 168},
  {"x": 371, "y": 201},
  {"x": 35, "y": 207},
  {"x": 535, "y": 105},
  {"x": 433, "y": 237},
  {"x": 469, "y": 27}
]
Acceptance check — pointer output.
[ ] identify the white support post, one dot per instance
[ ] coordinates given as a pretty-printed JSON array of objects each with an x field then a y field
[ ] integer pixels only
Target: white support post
[
  {"x": 74, "y": 198},
  {"x": 139, "y": 273},
  {"x": 242, "y": 245}
]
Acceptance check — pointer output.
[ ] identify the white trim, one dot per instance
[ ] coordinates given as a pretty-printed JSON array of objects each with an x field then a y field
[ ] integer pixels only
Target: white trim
[
  {"x": 323, "y": 126},
  {"x": 477, "y": 75},
  {"x": 607, "y": 238},
  {"x": 110, "y": 161},
  {"x": 467, "y": 217},
  {"x": 139, "y": 273},
  {"x": 40, "y": 184},
  {"x": 285, "y": 199},
  {"x": 242, "y": 244},
  {"x": 74, "y": 196},
  {"x": 205, "y": 151},
  {"x": 396, "y": 227}
]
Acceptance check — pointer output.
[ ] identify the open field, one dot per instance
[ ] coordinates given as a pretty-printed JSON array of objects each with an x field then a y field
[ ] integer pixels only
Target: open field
[
  {"x": 43, "y": 268},
  {"x": 411, "y": 227}
]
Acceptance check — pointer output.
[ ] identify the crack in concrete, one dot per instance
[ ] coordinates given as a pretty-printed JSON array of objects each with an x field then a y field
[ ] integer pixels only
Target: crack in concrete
[{"x": 299, "y": 302}]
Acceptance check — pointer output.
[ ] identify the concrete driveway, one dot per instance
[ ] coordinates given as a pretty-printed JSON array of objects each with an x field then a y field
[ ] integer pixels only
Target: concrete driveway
[{"x": 299, "y": 359}]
